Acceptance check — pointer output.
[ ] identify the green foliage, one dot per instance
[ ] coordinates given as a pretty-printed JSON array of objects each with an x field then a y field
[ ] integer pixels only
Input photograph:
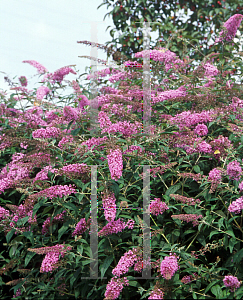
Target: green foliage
[
  {"x": 207, "y": 251},
  {"x": 128, "y": 17}
]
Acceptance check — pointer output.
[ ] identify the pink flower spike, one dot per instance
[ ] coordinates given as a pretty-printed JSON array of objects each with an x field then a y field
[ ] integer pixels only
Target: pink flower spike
[
  {"x": 169, "y": 266},
  {"x": 158, "y": 207},
  {"x": 42, "y": 91},
  {"x": 41, "y": 69},
  {"x": 230, "y": 28}
]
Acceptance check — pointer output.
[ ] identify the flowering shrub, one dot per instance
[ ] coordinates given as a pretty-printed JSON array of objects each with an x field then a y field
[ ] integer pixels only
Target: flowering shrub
[{"x": 185, "y": 242}]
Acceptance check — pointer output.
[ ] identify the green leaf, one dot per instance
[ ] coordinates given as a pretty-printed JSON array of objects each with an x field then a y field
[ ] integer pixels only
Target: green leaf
[
  {"x": 238, "y": 256},
  {"x": 196, "y": 169},
  {"x": 232, "y": 243},
  {"x": 29, "y": 236},
  {"x": 210, "y": 285},
  {"x": 63, "y": 229},
  {"x": 216, "y": 290},
  {"x": 172, "y": 189},
  {"x": 80, "y": 249},
  {"x": 213, "y": 233},
  {"x": 70, "y": 206},
  {"x": 10, "y": 234},
  {"x": 231, "y": 233},
  {"x": 22, "y": 221},
  {"x": 28, "y": 258},
  {"x": 69, "y": 125},
  {"x": 37, "y": 206},
  {"x": 105, "y": 265},
  {"x": 75, "y": 277}
]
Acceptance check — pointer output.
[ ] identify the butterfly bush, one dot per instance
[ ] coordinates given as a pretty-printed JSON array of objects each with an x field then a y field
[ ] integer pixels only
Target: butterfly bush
[
  {"x": 41, "y": 92},
  {"x": 234, "y": 170},
  {"x": 201, "y": 129},
  {"x": 230, "y": 27},
  {"x": 236, "y": 206},
  {"x": 47, "y": 223},
  {"x": 125, "y": 262},
  {"x": 192, "y": 136},
  {"x": 158, "y": 207},
  {"x": 114, "y": 287},
  {"x": 115, "y": 164},
  {"x": 109, "y": 205},
  {"x": 41, "y": 69},
  {"x": 45, "y": 133},
  {"x": 231, "y": 282},
  {"x": 80, "y": 228},
  {"x": 169, "y": 266},
  {"x": 115, "y": 227},
  {"x": 188, "y": 218}
]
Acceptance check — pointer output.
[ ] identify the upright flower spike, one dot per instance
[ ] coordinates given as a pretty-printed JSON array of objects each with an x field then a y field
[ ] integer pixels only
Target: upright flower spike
[
  {"x": 115, "y": 164},
  {"x": 109, "y": 205},
  {"x": 230, "y": 28},
  {"x": 41, "y": 69},
  {"x": 41, "y": 92},
  {"x": 169, "y": 266}
]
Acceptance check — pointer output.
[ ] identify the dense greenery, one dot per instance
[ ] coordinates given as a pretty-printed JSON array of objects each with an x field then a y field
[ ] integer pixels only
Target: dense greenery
[{"x": 194, "y": 152}]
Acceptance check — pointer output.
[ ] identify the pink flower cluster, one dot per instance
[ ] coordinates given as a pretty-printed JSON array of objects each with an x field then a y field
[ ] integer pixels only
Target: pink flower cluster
[
  {"x": 37, "y": 65},
  {"x": 80, "y": 228},
  {"x": 60, "y": 73},
  {"x": 49, "y": 262},
  {"x": 230, "y": 28},
  {"x": 204, "y": 147},
  {"x": 125, "y": 127},
  {"x": 66, "y": 140},
  {"x": 45, "y": 133},
  {"x": 114, "y": 287},
  {"x": 42, "y": 175},
  {"x": 201, "y": 129},
  {"x": 158, "y": 294},
  {"x": 57, "y": 191},
  {"x": 109, "y": 205},
  {"x": 115, "y": 227},
  {"x": 70, "y": 113},
  {"x": 236, "y": 206},
  {"x": 188, "y": 119},
  {"x": 241, "y": 186},
  {"x": 4, "y": 213},
  {"x": 169, "y": 266},
  {"x": 234, "y": 170},
  {"x": 94, "y": 141},
  {"x": 188, "y": 218},
  {"x": 119, "y": 76},
  {"x": 158, "y": 207},
  {"x": 12, "y": 172},
  {"x": 18, "y": 293},
  {"x": 104, "y": 119},
  {"x": 188, "y": 278},
  {"x": 165, "y": 95},
  {"x": 125, "y": 262},
  {"x": 41, "y": 92},
  {"x": 115, "y": 164},
  {"x": 102, "y": 73},
  {"x": 231, "y": 282},
  {"x": 221, "y": 143},
  {"x": 185, "y": 200}
]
